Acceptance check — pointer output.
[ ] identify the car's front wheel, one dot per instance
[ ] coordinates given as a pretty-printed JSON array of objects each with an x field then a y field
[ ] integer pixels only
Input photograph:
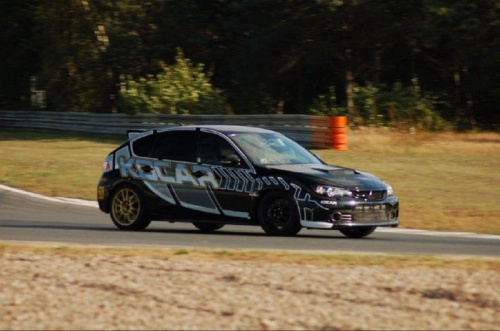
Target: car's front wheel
[
  {"x": 207, "y": 227},
  {"x": 128, "y": 211},
  {"x": 358, "y": 232},
  {"x": 278, "y": 214}
]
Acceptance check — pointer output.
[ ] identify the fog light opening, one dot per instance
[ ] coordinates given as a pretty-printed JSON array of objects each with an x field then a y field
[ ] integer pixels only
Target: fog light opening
[{"x": 337, "y": 216}]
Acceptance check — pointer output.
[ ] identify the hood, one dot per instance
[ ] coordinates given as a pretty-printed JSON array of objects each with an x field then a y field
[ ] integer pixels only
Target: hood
[{"x": 333, "y": 175}]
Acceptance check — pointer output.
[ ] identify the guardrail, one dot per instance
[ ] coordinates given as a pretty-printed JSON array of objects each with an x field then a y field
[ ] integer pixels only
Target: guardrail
[{"x": 309, "y": 131}]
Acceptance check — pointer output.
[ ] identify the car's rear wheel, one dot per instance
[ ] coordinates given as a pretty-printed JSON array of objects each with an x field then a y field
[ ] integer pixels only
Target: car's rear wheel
[
  {"x": 358, "y": 232},
  {"x": 128, "y": 211},
  {"x": 207, "y": 227},
  {"x": 278, "y": 214}
]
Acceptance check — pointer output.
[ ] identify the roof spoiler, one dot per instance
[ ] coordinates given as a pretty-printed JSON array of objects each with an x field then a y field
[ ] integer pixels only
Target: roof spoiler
[{"x": 134, "y": 133}]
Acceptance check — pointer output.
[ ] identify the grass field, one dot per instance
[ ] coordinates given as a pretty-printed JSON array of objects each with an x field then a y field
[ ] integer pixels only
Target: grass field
[{"x": 445, "y": 181}]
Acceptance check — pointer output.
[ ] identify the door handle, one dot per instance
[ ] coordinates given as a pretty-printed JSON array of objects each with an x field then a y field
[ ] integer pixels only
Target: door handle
[{"x": 200, "y": 173}]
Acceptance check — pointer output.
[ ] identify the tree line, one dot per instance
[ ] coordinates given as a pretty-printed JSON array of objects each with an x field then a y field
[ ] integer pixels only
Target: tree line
[{"x": 432, "y": 64}]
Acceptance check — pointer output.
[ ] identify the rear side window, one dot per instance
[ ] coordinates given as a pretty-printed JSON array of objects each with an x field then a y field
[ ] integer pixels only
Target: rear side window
[
  {"x": 144, "y": 146},
  {"x": 176, "y": 145}
]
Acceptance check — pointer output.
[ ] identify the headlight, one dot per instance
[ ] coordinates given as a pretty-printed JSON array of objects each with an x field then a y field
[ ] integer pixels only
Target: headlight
[
  {"x": 332, "y": 192},
  {"x": 390, "y": 191}
]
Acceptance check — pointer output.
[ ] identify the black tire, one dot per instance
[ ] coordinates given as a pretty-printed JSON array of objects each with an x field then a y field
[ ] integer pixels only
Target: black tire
[
  {"x": 128, "y": 211},
  {"x": 278, "y": 215},
  {"x": 207, "y": 227},
  {"x": 358, "y": 232}
]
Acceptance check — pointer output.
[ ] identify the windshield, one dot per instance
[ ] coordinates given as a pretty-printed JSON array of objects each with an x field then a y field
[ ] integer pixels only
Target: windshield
[{"x": 272, "y": 149}]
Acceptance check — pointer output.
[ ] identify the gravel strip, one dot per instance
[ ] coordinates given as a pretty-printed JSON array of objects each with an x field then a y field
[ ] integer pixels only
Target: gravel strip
[{"x": 103, "y": 291}]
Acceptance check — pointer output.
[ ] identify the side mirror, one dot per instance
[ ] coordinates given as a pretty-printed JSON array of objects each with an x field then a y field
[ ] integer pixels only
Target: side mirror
[{"x": 231, "y": 160}]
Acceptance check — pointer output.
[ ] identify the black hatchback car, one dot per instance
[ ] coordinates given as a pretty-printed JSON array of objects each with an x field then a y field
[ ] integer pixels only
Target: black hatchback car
[{"x": 215, "y": 175}]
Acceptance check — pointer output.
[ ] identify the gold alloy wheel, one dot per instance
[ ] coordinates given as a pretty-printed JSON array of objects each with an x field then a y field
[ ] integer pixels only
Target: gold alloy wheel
[{"x": 126, "y": 207}]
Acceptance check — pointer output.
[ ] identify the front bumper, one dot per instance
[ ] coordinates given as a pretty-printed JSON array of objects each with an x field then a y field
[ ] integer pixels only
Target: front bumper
[
  {"x": 103, "y": 192},
  {"x": 350, "y": 213}
]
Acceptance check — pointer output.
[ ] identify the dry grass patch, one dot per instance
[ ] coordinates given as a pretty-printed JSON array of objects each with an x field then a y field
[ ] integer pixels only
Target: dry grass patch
[
  {"x": 258, "y": 256},
  {"x": 53, "y": 164}
]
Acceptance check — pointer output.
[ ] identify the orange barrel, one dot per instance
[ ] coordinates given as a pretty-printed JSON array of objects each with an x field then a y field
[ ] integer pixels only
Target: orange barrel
[
  {"x": 338, "y": 132},
  {"x": 338, "y": 121},
  {"x": 339, "y": 139}
]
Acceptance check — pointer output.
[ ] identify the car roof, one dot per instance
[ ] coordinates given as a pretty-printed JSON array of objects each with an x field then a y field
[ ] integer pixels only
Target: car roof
[{"x": 226, "y": 129}]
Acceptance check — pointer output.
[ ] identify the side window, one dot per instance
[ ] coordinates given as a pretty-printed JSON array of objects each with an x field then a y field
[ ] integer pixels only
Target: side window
[
  {"x": 144, "y": 146},
  {"x": 214, "y": 148},
  {"x": 176, "y": 145}
]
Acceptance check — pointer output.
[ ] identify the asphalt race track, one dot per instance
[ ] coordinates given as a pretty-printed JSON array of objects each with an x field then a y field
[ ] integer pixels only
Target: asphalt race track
[{"x": 27, "y": 218}]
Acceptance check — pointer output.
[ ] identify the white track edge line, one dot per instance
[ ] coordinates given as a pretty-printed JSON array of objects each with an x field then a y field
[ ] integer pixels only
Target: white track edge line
[
  {"x": 440, "y": 233},
  {"x": 94, "y": 204},
  {"x": 78, "y": 202}
]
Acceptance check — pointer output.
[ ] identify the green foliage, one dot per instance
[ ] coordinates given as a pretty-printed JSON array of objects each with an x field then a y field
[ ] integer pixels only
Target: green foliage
[
  {"x": 326, "y": 104},
  {"x": 267, "y": 57},
  {"x": 400, "y": 106},
  {"x": 180, "y": 88},
  {"x": 367, "y": 101},
  {"x": 73, "y": 69},
  {"x": 407, "y": 107}
]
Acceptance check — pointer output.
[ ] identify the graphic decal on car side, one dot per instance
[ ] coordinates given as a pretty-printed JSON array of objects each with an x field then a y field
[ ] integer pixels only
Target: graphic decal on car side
[
  {"x": 306, "y": 214},
  {"x": 162, "y": 177},
  {"x": 240, "y": 180},
  {"x": 161, "y": 190},
  {"x": 203, "y": 201},
  {"x": 166, "y": 172},
  {"x": 121, "y": 153}
]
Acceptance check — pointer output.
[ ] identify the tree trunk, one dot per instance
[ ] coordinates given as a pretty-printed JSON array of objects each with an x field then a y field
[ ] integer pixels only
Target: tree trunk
[
  {"x": 469, "y": 99},
  {"x": 300, "y": 92},
  {"x": 457, "y": 93},
  {"x": 349, "y": 77},
  {"x": 413, "y": 60},
  {"x": 378, "y": 64}
]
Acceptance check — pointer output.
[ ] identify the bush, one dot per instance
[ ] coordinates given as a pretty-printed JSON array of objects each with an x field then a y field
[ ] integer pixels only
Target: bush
[
  {"x": 326, "y": 104},
  {"x": 407, "y": 107},
  {"x": 367, "y": 102},
  {"x": 181, "y": 88},
  {"x": 400, "y": 106}
]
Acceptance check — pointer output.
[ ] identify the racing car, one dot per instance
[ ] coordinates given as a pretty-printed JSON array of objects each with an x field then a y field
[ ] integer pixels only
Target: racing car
[{"x": 213, "y": 175}]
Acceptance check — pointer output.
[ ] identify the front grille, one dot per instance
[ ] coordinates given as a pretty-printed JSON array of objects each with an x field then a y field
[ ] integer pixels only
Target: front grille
[
  {"x": 369, "y": 195},
  {"x": 341, "y": 216},
  {"x": 372, "y": 216},
  {"x": 346, "y": 218}
]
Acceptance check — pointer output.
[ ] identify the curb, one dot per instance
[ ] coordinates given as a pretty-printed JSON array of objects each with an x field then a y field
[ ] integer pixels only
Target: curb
[{"x": 78, "y": 202}]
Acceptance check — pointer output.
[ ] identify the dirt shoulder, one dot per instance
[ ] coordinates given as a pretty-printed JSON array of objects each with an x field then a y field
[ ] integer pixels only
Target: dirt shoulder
[{"x": 81, "y": 287}]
